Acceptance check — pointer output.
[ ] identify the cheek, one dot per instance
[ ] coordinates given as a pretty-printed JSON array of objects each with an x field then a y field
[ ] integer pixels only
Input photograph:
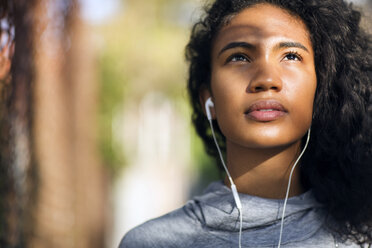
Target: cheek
[
  {"x": 231, "y": 82},
  {"x": 228, "y": 90},
  {"x": 228, "y": 94},
  {"x": 301, "y": 96}
]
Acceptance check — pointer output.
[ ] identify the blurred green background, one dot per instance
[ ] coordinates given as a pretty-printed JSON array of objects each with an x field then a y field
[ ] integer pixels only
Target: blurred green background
[{"x": 142, "y": 78}]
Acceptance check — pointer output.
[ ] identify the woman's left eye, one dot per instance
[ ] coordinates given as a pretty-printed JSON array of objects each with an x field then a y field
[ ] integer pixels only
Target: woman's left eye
[{"x": 293, "y": 56}]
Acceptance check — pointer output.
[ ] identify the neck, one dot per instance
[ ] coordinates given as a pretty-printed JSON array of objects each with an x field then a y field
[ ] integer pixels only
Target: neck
[{"x": 264, "y": 172}]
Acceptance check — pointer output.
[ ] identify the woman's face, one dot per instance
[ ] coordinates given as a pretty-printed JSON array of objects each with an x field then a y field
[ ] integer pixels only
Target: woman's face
[{"x": 263, "y": 78}]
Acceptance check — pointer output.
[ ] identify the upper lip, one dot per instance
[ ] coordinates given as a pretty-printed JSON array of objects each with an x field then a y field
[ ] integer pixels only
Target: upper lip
[{"x": 266, "y": 104}]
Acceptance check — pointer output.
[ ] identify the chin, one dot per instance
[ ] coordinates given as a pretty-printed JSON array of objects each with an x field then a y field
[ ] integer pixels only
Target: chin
[{"x": 270, "y": 142}]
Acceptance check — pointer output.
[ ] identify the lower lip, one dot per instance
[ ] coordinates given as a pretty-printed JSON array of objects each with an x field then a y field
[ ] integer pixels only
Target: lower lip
[{"x": 265, "y": 116}]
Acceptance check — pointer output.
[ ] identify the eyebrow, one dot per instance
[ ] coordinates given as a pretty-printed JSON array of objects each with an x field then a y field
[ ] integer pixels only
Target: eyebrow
[
  {"x": 250, "y": 46},
  {"x": 236, "y": 44},
  {"x": 290, "y": 44}
]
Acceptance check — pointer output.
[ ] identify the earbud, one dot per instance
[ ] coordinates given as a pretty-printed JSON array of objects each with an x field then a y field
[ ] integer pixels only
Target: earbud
[{"x": 209, "y": 104}]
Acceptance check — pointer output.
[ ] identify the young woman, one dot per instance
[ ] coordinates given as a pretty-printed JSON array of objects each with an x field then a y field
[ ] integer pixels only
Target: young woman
[{"x": 274, "y": 80}]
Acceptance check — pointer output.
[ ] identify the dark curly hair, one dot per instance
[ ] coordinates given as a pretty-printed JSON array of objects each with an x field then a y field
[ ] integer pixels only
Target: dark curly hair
[{"x": 338, "y": 163}]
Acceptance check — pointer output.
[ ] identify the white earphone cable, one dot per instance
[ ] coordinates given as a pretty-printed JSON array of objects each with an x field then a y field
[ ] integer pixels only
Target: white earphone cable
[
  {"x": 233, "y": 187},
  {"x": 289, "y": 186},
  {"x": 219, "y": 152}
]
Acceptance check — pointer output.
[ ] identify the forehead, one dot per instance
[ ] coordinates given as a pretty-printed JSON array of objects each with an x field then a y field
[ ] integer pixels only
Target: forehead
[{"x": 262, "y": 22}]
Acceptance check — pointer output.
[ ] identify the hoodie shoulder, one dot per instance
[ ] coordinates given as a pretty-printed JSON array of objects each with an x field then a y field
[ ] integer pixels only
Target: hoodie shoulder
[
  {"x": 170, "y": 230},
  {"x": 133, "y": 239}
]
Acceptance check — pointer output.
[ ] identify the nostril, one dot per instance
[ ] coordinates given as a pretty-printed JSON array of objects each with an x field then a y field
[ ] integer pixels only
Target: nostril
[
  {"x": 259, "y": 88},
  {"x": 264, "y": 85}
]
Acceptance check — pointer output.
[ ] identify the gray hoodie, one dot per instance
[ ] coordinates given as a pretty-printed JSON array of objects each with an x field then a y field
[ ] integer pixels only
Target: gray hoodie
[{"x": 212, "y": 220}]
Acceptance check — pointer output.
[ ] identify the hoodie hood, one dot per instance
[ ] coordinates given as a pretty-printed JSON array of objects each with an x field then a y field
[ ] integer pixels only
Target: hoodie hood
[{"x": 216, "y": 211}]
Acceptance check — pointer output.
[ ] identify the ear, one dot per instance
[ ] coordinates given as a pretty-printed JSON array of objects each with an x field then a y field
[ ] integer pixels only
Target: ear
[{"x": 204, "y": 94}]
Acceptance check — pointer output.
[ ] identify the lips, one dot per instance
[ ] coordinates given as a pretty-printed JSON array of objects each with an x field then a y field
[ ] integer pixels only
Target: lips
[{"x": 266, "y": 110}]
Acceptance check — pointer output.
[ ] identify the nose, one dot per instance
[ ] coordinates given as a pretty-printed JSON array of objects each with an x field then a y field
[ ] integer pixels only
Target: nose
[{"x": 265, "y": 78}]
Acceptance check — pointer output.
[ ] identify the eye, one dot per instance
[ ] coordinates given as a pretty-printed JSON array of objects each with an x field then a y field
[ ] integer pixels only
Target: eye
[
  {"x": 237, "y": 58},
  {"x": 293, "y": 56}
]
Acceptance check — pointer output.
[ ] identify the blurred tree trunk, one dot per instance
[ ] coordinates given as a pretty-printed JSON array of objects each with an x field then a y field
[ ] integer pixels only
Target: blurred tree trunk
[
  {"x": 16, "y": 157},
  {"x": 53, "y": 189}
]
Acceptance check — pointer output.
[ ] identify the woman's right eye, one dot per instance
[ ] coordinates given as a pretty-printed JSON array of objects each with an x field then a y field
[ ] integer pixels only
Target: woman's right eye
[{"x": 237, "y": 58}]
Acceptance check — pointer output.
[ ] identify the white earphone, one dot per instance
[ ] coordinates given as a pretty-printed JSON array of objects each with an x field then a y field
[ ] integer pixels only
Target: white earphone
[{"x": 209, "y": 104}]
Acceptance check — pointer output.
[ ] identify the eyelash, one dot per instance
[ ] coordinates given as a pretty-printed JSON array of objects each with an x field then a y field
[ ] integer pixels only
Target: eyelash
[
  {"x": 296, "y": 54},
  {"x": 236, "y": 55}
]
